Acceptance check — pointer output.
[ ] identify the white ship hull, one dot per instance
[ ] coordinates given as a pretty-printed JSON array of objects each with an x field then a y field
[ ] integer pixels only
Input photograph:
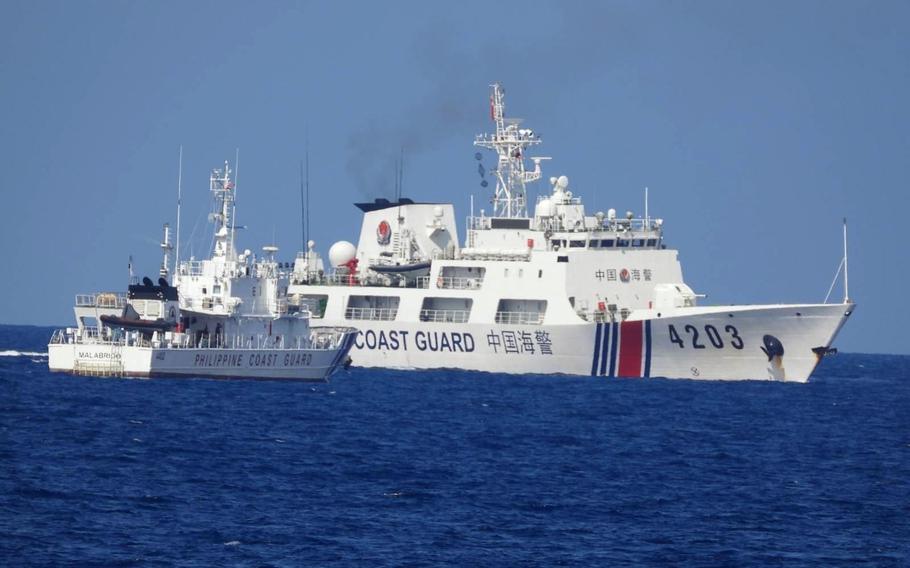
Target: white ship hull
[
  {"x": 225, "y": 316},
  {"x": 556, "y": 291},
  {"x": 134, "y": 361},
  {"x": 724, "y": 343}
]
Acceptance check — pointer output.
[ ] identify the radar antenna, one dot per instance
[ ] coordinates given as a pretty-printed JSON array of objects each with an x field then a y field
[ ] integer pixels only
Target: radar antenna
[{"x": 509, "y": 142}]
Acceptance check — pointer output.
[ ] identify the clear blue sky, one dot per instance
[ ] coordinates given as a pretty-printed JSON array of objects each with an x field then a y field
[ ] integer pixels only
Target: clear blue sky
[{"x": 757, "y": 126}]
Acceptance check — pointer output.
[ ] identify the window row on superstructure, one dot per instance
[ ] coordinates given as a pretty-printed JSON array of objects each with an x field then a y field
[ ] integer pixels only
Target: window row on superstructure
[
  {"x": 604, "y": 243},
  {"x": 432, "y": 309}
]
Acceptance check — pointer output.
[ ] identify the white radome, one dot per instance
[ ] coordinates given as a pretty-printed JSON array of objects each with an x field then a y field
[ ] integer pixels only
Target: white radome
[
  {"x": 544, "y": 208},
  {"x": 341, "y": 253}
]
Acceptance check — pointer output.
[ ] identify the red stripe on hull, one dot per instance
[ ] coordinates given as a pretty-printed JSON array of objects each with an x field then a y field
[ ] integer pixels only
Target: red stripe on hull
[{"x": 630, "y": 349}]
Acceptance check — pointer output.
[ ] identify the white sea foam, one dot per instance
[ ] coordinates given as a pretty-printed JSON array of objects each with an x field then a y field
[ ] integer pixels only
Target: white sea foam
[{"x": 14, "y": 353}]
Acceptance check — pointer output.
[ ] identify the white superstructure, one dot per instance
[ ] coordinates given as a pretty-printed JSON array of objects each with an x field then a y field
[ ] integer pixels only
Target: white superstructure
[
  {"x": 561, "y": 291},
  {"x": 224, "y": 316}
]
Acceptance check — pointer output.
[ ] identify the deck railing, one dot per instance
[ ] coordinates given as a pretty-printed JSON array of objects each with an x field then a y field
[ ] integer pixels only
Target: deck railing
[
  {"x": 451, "y": 282},
  {"x": 519, "y": 318},
  {"x": 191, "y": 268},
  {"x": 376, "y": 314},
  {"x": 101, "y": 300},
  {"x": 318, "y": 338},
  {"x": 447, "y": 316}
]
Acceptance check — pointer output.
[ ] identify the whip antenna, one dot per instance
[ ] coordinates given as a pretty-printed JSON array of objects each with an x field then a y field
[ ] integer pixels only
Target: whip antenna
[
  {"x": 302, "y": 209},
  {"x": 179, "y": 194}
]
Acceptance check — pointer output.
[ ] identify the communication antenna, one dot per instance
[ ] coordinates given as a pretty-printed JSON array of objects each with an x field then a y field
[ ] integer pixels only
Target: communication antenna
[
  {"x": 179, "y": 195},
  {"x": 399, "y": 182},
  {"x": 307, "y": 227},
  {"x": 234, "y": 202},
  {"x": 841, "y": 266},
  {"x": 846, "y": 279},
  {"x": 302, "y": 208},
  {"x": 400, "y": 172},
  {"x": 647, "y": 219}
]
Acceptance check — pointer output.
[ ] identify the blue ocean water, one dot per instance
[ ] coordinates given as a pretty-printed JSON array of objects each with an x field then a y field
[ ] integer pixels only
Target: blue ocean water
[{"x": 382, "y": 468}]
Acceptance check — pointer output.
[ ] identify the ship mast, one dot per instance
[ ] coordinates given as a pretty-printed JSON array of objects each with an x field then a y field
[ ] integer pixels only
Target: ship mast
[
  {"x": 509, "y": 142},
  {"x": 222, "y": 188}
]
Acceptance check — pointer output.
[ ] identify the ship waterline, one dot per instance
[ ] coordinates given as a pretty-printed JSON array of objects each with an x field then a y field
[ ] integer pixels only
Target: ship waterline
[
  {"x": 110, "y": 359},
  {"x": 714, "y": 343}
]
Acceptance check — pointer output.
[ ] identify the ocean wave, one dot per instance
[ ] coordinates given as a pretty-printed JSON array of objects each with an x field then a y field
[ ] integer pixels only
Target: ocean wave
[{"x": 14, "y": 353}]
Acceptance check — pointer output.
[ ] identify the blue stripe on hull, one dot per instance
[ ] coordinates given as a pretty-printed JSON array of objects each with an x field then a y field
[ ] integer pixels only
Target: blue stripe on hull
[{"x": 647, "y": 373}]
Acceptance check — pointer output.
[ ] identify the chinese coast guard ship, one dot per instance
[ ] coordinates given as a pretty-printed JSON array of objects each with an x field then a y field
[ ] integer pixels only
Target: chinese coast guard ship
[
  {"x": 561, "y": 291},
  {"x": 226, "y": 316}
]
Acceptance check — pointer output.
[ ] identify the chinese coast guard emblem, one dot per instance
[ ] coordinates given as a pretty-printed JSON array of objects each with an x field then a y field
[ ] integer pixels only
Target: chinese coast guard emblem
[{"x": 383, "y": 233}]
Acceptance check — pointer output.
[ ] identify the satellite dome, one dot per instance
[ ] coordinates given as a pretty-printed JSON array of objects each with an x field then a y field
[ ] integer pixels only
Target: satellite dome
[{"x": 341, "y": 253}]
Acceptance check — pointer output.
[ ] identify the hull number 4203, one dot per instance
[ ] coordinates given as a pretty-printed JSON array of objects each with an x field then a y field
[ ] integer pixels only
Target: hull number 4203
[{"x": 714, "y": 337}]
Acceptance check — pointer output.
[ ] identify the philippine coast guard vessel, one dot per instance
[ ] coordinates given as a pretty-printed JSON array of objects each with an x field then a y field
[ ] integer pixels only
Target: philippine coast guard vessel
[
  {"x": 226, "y": 316},
  {"x": 561, "y": 291}
]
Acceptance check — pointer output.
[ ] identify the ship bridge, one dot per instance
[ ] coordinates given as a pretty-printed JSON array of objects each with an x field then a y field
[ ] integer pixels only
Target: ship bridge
[{"x": 559, "y": 223}]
